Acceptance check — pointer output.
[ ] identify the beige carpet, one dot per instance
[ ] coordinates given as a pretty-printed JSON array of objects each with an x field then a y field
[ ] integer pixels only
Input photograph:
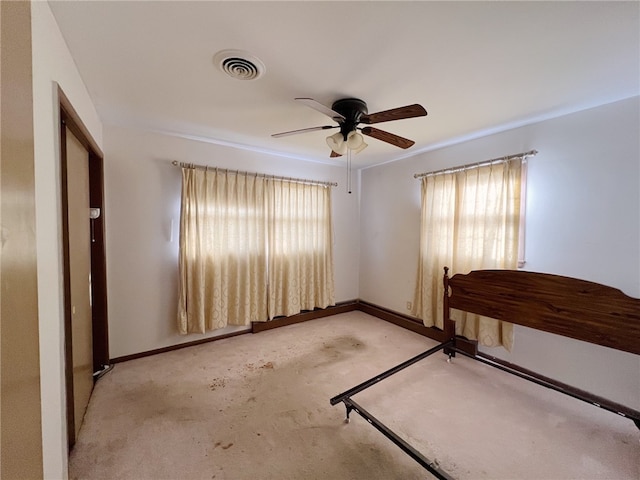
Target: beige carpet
[{"x": 257, "y": 407}]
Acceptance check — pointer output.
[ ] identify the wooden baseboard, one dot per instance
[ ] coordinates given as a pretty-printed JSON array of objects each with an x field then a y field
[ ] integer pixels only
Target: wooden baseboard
[
  {"x": 404, "y": 321},
  {"x": 341, "y": 307},
  {"x": 170, "y": 348}
]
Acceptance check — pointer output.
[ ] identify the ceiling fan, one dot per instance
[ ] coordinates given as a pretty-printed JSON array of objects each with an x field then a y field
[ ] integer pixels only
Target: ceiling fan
[{"x": 349, "y": 113}]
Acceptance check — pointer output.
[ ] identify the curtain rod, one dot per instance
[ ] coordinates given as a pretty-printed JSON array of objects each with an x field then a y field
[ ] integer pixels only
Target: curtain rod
[
  {"x": 264, "y": 175},
  {"x": 523, "y": 155}
]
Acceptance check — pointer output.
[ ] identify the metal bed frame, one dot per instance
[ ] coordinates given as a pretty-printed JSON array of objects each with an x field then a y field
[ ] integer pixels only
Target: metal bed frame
[{"x": 574, "y": 308}]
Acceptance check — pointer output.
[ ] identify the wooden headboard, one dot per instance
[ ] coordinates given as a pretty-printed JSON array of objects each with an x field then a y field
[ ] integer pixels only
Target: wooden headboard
[{"x": 565, "y": 306}]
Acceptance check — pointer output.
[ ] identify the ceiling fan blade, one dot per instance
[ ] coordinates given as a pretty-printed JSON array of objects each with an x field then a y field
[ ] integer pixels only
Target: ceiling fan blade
[
  {"x": 399, "y": 113},
  {"x": 303, "y": 130},
  {"x": 334, "y": 154},
  {"x": 388, "y": 137},
  {"x": 310, "y": 102}
]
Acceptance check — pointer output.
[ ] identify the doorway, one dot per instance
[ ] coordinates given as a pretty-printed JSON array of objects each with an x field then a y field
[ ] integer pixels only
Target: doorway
[{"x": 84, "y": 264}]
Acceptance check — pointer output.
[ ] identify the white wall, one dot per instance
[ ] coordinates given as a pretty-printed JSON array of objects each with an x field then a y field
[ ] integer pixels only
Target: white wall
[
  {"x": 52, "y": 63},
  {"x": 142, "y": 191},
  {"x": 583, "y": 221}
]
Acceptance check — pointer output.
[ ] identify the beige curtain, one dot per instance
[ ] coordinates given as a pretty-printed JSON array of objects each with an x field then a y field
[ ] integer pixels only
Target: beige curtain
[
  {"x": 223, "y": 255},
  {"x": 470, "y": 221},
  {"x": 251, "y": 248},
  {"x": 300, "y": 247}
]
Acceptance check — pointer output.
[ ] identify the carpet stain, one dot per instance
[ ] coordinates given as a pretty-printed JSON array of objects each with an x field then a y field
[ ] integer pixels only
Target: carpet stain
[
  {"x": 217, "y": 383},
  {"x": 224, "y": 447},
  {"x": 251, "y": 367},
  {"x": 344, "y": 344}
]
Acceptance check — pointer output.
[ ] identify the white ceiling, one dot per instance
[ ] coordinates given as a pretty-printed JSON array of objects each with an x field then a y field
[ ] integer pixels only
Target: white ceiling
[{"x": 477, "y": 67}]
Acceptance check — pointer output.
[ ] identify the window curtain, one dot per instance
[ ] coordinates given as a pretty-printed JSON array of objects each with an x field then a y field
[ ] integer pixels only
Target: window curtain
[
  {"x": 300, "y": 248},
  {"x": 251, "y": 248},
  {"x": 470, "y": 221},
  {"x": 223, "y": 255}
]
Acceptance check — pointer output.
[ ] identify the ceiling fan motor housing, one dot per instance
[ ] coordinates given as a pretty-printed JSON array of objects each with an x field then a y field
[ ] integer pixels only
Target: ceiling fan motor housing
[{"x": 352, "y": 109}]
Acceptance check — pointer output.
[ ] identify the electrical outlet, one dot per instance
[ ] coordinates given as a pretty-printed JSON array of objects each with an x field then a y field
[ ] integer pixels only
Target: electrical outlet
[{"x": 409, "y": 305}]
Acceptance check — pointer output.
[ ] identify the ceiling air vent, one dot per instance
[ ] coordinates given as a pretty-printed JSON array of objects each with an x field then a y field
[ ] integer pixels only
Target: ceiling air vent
[{"x": 238, "y": 64}]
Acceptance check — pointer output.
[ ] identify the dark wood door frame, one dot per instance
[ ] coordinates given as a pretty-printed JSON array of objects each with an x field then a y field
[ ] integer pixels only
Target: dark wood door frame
[{"x": 69, "y": 119}]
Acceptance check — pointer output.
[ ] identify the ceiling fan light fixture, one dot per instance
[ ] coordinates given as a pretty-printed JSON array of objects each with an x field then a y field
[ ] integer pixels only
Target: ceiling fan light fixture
[
  {"x": 354, "y": 140},
  {"x": 362, "y": 146},
  {"x": 336, "y": 143}
]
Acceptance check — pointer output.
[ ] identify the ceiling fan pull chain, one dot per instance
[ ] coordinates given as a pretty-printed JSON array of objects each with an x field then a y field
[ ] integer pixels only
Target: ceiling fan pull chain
[{"x": 349, "y": 154}]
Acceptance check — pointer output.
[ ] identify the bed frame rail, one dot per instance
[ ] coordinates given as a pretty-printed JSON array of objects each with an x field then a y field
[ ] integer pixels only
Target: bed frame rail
[
  {"x": 345, "y": 397},
  {"x": 372, "y": 381},
  {"x": 560, "y": 387},
  {"x": 431, "y": 465}
]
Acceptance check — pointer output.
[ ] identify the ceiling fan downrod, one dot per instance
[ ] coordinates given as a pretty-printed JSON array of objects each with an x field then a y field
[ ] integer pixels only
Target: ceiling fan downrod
[{"x": 352, "y": 109}]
